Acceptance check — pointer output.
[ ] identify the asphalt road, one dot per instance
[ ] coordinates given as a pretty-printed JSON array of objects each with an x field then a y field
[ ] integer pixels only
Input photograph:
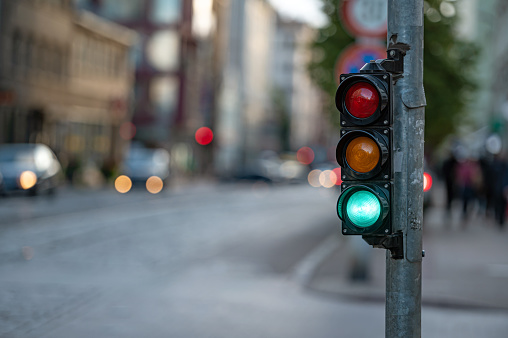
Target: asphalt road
[{"x": 203, "y": 260}]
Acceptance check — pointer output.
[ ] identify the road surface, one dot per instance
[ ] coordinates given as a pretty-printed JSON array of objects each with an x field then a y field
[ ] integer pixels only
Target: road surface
[{"x": 203, "y": 260}]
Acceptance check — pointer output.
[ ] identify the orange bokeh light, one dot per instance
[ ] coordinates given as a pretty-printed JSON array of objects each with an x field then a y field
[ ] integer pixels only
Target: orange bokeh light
[
  {"x": 154, "y": 185},
  {"x": 27, "y": 179},
  {"x": 123, "y": 184}
]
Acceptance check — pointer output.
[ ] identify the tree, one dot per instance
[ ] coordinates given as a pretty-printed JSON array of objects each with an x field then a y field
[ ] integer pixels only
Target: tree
[{"x": 448, "y": 64}]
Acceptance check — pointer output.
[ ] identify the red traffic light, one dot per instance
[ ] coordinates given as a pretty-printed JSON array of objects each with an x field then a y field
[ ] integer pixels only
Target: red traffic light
[
  {"x": 427, "y": 181},
  {"x": 203, "y": 136},
  {"x": 362, "y": 100}
]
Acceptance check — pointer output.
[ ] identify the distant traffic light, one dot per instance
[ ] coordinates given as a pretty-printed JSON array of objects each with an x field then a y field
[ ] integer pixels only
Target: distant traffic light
[
  {"x": 364, "y": 151},
  {"x": 427, "y": 181},
  {"x": 203, "y": 136}
]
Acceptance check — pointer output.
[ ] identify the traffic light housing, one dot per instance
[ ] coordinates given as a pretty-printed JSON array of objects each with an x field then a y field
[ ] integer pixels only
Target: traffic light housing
[{"x": 364, "y": 151}]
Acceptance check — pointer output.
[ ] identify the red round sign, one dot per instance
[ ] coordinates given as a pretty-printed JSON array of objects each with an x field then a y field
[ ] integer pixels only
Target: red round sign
[
  {"x": 365, "y": 18},
  {"x": 355, "y": 56}
]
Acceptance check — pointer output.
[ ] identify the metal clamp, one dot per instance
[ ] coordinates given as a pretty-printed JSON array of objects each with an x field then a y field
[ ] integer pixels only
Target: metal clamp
[
  {"x": 394, "y": 63},
  {"x": 394, "y": 243}
]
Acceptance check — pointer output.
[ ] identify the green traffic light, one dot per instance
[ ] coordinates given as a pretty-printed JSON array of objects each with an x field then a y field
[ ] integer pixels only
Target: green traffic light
[{"x": 363, "y": 209}]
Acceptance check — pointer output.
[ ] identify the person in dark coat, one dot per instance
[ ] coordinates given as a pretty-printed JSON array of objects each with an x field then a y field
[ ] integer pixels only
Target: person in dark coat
[
  {"x": 448, "y": 170},
  {"x": 500, "y": 175}
]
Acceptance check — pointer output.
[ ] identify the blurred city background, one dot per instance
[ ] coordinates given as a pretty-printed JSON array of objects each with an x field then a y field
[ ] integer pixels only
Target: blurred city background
[{"x": 167, "y": 169}]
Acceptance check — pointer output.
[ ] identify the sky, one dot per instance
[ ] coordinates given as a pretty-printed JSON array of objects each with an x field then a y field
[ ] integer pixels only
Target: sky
[{"x": 302, "y": 10}]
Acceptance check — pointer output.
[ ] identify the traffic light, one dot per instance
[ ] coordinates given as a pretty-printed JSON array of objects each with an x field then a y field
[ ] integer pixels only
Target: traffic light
[{"x": 364, "y": 151}]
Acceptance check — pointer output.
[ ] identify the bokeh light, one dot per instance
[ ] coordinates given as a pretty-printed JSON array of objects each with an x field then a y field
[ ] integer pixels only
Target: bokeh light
[
  {"x": 327, "y": 178},
  {"x": 154, "y": 185},
  {"x": 427, "y": 181},
  {"x": 204, "y": 136},
  {"x": 338, "y": 174},
  {"x": 123, "y": 184},
  {"x": 127, "y": 130},
  {"x": 313, "y": 178},
  {"x": 27, "y": 179},
  {"x": 305, "y": 155},
  {"x": 447, "y": 9}
]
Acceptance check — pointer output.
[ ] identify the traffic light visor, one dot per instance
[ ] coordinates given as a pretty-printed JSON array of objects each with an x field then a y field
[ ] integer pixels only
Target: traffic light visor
[
  {"x": 362, "y": 154},
  {"x": 362, "y": 100}
]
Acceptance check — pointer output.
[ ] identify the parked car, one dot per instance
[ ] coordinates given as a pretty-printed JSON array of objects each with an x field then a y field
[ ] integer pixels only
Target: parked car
[
  {"x": 143, "y": 163},
  {"x": 29, "y": 167}
]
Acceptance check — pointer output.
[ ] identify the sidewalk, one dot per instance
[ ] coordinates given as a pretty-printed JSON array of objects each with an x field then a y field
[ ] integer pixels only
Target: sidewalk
[{"x": 465, "y": 263}]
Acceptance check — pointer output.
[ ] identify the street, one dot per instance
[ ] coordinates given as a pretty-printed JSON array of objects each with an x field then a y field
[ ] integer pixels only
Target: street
[{"x": 227, "y": 260}]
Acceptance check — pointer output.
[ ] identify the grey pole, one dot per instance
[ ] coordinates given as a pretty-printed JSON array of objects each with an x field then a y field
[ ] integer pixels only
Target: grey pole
[{"x": 404, "y": 276}]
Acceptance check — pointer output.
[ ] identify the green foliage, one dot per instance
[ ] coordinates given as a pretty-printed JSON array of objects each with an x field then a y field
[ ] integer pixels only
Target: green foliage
[
  {"x": 448, "y": 64},
  {"x": 330, "y": 42},
  {"x": 447, "y": 75}
]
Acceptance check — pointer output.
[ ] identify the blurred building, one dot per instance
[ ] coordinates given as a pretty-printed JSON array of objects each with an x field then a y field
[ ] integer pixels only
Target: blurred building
[
  {"x": 244, "y": 103},
  {"x": 164, "y": 28},
  {"x": 500, "y": 64},
  {"x": 291, "y": 79},
  {"x": 65, "y": 79},
  {"x": 476, "y": 24},
  {"x": 173, "y": 58},
  {"x": 485, "y": 23},
  {"x": 266, "y": 100}
]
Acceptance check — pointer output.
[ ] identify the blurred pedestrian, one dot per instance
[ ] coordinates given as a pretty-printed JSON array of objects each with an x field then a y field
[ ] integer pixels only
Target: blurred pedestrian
[
  {"x": 448, "y": 171},
  {"x": 500, "y": 176},
  {"x": 469, "y": 182},
  {"x": 489, "y": 183}
]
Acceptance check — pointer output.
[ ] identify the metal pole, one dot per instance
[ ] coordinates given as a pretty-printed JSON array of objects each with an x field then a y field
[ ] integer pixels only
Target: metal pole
[{"x": 403, "y": 276}]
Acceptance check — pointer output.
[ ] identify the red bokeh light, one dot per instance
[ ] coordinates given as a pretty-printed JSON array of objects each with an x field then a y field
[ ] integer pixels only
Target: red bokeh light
[
  {"x": 127, "y": 130},
  {"x": 305, "y": 155},
  {"x": 204, "y": 136},
  {"x": 427, "y": 181},
  {"x": 362, "y": 100},
  {"x": 338, "y": 173}
]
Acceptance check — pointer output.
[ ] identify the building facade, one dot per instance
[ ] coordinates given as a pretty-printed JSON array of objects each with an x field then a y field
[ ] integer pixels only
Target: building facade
[
  {"x": 65, "y": 80},
  {"x": 267, "y": 100},
  {"x": 161, "y": 61},
  {"x": 291, "y": 79},
  {"x": 500, "y": 64}
]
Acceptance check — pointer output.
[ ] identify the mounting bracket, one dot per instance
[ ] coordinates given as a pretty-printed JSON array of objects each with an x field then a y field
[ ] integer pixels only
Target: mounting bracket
[{"x": 394, "y": 243}]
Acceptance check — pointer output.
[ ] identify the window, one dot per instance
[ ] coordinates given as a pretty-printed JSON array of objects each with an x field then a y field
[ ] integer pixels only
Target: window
[
  {"x": 125, "y": 10},
  {"x": 165, "y": 11}
]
